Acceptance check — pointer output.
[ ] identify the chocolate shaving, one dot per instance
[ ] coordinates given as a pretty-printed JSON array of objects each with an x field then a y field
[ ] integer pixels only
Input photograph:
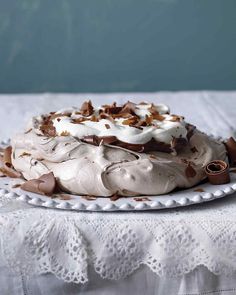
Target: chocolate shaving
[
  {"x": 65, "y": 133},
  {"x": 231, "y": 150},
  {"x": 129, "y": 107},
  {"x": 47, "y": 127},
  {"x": 107, "y": 126},
  {"x": 158, "y": 117},
  {"x": 54, "y": 115},
  {"x": 112, "y": 109},
  {"x": 87, "y": 108},
  {"x": 44, "y": 185},
  {"x": 190, "y": 171},
  {"x": 130, "y": 121},
  {"x": 24, "y": 154},
  {"x": 106, "y": 117},
  {"x": 28, "y": 131},
  {"x": 153, "y": 110}
]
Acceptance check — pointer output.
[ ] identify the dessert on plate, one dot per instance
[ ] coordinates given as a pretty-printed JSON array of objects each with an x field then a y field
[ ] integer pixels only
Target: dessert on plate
[{"x": 129, "y": 150}]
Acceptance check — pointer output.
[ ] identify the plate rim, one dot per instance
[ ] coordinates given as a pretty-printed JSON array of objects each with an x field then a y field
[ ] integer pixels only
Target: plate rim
[{"x": 56, "y": 203}]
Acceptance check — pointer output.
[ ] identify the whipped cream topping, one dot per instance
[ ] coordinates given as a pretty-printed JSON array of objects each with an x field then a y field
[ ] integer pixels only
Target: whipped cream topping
[{"x": 163, "y": 128}]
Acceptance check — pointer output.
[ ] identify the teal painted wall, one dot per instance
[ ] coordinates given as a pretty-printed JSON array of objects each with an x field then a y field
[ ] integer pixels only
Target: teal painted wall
[{"x": 117, "y": 45}]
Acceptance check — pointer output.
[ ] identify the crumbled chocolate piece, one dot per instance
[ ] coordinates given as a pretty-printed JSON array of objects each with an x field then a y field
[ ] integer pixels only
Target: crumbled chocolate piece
[
  {"x": 44, "y": 185},
  {"x": 131, "y": 121},
  {"x": 158, "y": 117},
  {"x": 87, "y": 108},
  {"x": 94, "y": 118},
  {"x": 107, "y": 126},
  {"x": 176, "y": 118},
  {"x": 79, "y": 120}
]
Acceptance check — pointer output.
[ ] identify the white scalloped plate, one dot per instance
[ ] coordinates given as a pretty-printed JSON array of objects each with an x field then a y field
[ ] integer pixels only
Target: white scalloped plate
[{"x": 77, "y": 203}]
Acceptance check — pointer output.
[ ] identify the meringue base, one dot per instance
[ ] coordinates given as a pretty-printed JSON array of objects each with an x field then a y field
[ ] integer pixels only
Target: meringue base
[{"x": 104, "y": 170}]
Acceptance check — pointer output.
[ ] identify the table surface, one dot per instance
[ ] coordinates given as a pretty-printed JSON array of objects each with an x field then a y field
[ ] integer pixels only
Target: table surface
[{"x": 123, "y": 247}]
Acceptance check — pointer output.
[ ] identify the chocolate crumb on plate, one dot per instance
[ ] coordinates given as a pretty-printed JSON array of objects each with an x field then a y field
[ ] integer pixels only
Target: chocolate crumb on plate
[
  {"x": 141, "y": 199},
  {"x": 200, "y": 190},
  {"x": 89, "y": 198}
]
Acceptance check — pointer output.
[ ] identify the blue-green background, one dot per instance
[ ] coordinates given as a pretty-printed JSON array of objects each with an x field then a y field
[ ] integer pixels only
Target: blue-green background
[{"x": 117, "y": 45}]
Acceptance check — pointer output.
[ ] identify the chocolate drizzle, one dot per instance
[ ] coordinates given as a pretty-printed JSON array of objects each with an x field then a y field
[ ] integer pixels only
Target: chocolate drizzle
[{"x": 152, "y": 145}]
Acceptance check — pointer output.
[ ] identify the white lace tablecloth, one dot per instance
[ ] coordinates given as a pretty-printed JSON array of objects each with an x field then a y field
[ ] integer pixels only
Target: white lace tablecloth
[{"x": 190, "y": 242}]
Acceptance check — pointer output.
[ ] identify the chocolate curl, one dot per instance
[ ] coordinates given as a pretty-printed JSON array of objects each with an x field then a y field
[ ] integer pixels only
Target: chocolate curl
[
  {"x": 231, "y": 149},
  {"x": 217, "y": 172},
  {"x": 44, "y": 185},
  {"x": 6, "y": 167}
]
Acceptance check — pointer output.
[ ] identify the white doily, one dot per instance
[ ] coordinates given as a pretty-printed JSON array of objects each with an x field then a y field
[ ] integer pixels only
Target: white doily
[{"x": 171, "y": 243}]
